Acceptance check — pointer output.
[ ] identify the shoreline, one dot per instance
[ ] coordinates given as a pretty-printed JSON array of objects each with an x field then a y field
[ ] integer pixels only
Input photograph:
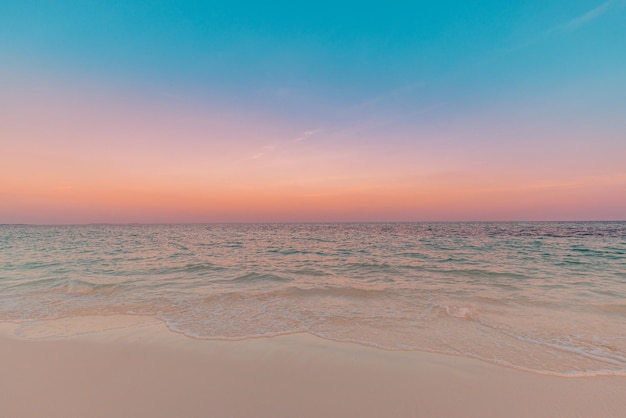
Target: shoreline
[
  {"x": 101, "y": 324},
  {"x": 104, "y": 366}
]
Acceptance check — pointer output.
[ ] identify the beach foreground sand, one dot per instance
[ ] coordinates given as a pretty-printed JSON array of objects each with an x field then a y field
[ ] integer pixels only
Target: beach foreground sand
[{"x": 127, "y": 366}]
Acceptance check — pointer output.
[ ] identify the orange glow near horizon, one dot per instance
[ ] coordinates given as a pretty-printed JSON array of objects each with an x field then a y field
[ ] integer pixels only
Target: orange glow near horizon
[{"x": 406, "y": 202}]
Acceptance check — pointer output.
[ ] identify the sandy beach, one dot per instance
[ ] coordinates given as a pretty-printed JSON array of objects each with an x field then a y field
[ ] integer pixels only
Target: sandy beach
[{"x": 131, "y": 366}]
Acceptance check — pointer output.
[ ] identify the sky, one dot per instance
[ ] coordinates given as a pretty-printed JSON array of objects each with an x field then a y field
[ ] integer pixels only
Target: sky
[{"x": 200, "y": 111}]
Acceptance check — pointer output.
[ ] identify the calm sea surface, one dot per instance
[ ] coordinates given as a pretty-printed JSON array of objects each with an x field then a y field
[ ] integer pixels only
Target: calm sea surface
[{"x": 545, "y": 297}]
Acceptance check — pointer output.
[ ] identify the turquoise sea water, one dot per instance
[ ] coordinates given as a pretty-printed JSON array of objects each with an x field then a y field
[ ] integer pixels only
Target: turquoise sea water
[{"x": 544, "y": 297}]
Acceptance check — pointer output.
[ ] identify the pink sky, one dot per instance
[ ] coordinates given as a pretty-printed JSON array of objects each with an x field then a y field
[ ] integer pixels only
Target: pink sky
[{"x": 86, "y": 154}]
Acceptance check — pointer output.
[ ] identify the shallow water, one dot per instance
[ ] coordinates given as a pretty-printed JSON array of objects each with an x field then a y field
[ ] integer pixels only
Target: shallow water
[{"x": 543, "y": 297}]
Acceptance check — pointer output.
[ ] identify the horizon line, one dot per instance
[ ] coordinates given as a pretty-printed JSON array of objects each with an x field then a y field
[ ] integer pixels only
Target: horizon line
[{"x": 309, "y": 222}]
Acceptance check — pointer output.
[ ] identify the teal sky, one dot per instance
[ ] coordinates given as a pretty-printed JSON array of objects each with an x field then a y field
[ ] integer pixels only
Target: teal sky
[
  {"x": 501, "y": 89},
  {"x": 341, "y": 52}
]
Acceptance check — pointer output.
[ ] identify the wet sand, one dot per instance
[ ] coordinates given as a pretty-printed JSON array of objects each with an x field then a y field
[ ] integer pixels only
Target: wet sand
[{"x": 122, "y": 366}]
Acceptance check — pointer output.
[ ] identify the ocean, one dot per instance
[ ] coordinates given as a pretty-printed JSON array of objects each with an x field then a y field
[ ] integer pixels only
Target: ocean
[{"x": 543, "y": 297}]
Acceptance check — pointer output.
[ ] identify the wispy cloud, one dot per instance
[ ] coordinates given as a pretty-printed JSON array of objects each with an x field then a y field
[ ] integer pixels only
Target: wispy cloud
[
  {"x": 572, "y": 24},
  {"x": 269, "y": 149},
  {"x": 373, "y": 122},
  {"x": 588, "y": 17},
  {"x": 306, "y": 134}
]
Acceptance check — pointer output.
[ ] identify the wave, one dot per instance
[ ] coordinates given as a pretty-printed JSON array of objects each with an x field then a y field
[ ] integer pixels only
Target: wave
[
  {"x": 83, "y": 287},
  {"x": 37, "y": 265},
  {"x": 612, "y": 308},
  {"x": 332, "y": 291},
  {"x": 309, "y": 272},
  {"x": 254, "y": 277},
  {"x": 63, "y": 286},
  {"x": 481, "y": 273},
  {"x": 452, "y": 311},
  {"x": 295, "y": 252},
  {"x": 187, "y": 268},
  {"x": 288, "y": 294},
  {"x": 370, "y": 268}
]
